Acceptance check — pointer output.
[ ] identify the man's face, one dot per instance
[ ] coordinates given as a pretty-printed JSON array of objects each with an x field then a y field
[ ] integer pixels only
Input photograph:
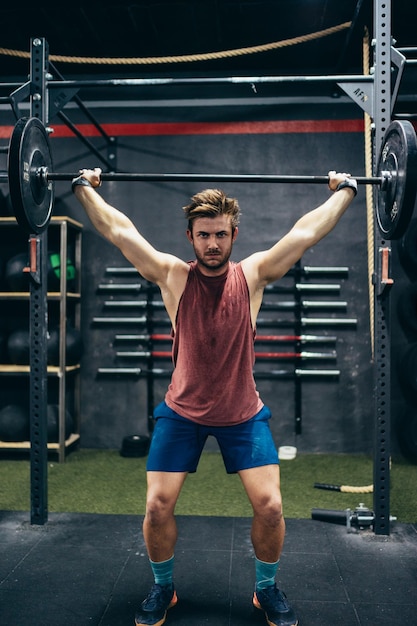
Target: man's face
[{"x": 212, "y": 240}]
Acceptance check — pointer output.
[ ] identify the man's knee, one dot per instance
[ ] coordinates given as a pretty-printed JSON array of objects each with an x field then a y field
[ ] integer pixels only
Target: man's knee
[
  {"x": 162, "y": 495},
  {"x": 269, "y": 509},
  {"x": 159, "y": 508}
]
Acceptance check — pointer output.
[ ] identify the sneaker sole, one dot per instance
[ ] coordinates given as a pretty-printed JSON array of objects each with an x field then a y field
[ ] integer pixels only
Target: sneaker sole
[
  {"x": 256, "y": 604},
  {"x": 163, "y": 620}
]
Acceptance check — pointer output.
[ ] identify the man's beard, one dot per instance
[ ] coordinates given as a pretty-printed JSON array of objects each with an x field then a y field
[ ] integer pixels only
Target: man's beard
[{"x": 222, "y": 261}]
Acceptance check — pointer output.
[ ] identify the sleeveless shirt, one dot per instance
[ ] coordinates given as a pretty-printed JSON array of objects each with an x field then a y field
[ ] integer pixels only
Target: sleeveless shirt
[{"x": 213, "y": 350}]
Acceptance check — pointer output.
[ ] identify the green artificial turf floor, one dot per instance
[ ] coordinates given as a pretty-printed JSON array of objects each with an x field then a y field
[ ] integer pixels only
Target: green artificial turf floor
[{"x": 102, "y": 481}]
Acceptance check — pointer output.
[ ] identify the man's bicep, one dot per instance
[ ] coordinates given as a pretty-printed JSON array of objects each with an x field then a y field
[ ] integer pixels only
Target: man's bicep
[
  {"x": 270, "y": 265},
  {"x": 151, "y": 263}
]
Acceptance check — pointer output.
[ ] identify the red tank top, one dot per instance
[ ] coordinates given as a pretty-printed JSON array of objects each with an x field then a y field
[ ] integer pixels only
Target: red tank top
[{"x": 213, "y": 351}]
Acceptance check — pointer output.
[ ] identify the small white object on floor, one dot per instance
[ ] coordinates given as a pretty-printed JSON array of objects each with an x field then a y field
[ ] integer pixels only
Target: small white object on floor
[{"x": 287, "y": 453}]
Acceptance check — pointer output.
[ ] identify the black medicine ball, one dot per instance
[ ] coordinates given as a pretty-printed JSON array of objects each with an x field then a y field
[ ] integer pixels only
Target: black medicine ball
[
  {"x": 15, "y": 278},
  {"x": 18, "y": 347},
  {"x": 14, "y": 423},
  {"x": 53, "y": 423},
  {"x": 73, "y": 346}
]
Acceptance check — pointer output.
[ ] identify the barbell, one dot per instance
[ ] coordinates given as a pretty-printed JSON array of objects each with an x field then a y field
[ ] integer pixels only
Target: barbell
[{"x": 31, "y": 179}]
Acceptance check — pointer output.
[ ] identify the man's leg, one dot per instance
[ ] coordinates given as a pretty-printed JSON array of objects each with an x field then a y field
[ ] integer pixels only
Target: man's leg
[
  {"x": 160, "y": 533},
  {"x": 262, "y": 485},
  {"x": 159, "y": 526}
]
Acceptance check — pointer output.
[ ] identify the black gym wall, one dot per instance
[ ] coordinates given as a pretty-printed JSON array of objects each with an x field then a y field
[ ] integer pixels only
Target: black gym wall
[{"x": 337, "y": 413}]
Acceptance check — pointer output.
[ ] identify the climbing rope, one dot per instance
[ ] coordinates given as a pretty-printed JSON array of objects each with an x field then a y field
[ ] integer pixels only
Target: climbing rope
[
  {"x": 369, "y": 198},
  {"x": 187, "y": 58},
  {"x": 345, "y": 488},
  {"x": 350, "y": 489}
]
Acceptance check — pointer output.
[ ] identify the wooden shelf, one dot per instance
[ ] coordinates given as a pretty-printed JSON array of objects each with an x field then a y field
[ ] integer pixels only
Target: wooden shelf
[
  {"x": 25, "y": 445},
  {"x": 25, "y": 295},
  {"x": 25, "y": 369},
  {"x": 66, "y": 235},
  {"x": 57, "y": 219}
]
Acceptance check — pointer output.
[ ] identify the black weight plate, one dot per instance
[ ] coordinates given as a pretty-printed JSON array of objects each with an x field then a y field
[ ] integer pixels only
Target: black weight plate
[
  {"x": 135, "y": 446},
  {"x": 407, "y": 434},
  {"x": 408, "y": 367},
  {"x": 31, "y": 197},
  {"x": 398, "y": 156},
  {"x": 407, "y": 308},
  {"x": 407, "y": 248}
]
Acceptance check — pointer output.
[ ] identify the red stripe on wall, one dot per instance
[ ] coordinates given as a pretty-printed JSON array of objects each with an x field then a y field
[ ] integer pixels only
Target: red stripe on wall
[{"x": 208, "y": 128}]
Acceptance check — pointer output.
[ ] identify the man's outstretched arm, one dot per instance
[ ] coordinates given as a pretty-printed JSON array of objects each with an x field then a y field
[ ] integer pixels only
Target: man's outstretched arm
[
  {"x": 270, "y": 265},
  {"x": 117, "y": 228}
]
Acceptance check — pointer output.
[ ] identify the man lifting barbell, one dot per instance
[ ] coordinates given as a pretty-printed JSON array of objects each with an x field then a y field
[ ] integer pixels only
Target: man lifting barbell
[
  {"x": 213, "y": 305},
  {"x": 31, "y": 180}
]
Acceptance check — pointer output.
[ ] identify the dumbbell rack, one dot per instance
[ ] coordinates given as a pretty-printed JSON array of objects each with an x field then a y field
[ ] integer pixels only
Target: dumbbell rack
[{"x": 140, "y": 354}]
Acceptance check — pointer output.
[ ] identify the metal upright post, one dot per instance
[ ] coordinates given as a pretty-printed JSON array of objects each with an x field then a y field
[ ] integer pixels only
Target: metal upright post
[
  {"x": 382, "y": 339},
  {"x": 38, "y": 325}
]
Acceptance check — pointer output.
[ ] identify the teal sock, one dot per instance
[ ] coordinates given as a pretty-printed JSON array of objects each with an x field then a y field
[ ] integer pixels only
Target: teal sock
[
  {"x": 265, "y": 573},
  {"x": 162, "y": 571}
]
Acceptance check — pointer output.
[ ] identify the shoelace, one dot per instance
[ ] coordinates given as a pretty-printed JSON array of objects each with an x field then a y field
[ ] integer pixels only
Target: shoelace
[
  {"x": 278, "y": 597},
  {"x": 152, "y": 601}
]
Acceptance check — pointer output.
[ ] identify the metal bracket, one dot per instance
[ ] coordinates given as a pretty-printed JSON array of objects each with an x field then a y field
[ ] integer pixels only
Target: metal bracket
[
  {"x": 361, "y": 93},
  {"x": 60, "y": 98},
  {"x": 17, "y": 96},
  {"x": 34, "y": 259},
  {"x": 398, "y": 60},
  {"x": 381, "y": 279}
]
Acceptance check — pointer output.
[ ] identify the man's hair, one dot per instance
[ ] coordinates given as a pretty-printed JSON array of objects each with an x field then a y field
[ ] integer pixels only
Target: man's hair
[{"x": 210, "y": 203}]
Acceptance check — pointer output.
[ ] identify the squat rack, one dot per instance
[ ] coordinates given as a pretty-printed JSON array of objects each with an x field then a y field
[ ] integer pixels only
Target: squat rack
[{"x": 374, "y": 94}]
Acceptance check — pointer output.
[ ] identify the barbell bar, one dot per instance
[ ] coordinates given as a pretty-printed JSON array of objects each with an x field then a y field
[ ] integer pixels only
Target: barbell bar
[
  {"x": 282, "y": 305},
  {"x": 322, "y": 322},
  {"x": 167, "y": 354},
  {"x": 45, "y": 176},
  {"x": 264, "y": 375},
  {"x": 31, "y": 177},
  {"x": 258, "y": 338},
  {"x": 305, "y": 270}
]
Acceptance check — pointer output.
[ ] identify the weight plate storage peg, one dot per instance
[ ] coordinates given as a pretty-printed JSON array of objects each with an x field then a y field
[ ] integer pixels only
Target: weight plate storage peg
[
  {"x": 397, "y": 162},
  {"x": 31, "y": 198}
]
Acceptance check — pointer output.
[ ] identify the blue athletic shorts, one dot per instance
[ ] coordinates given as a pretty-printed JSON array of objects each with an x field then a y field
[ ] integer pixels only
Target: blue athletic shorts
[{"x": 177, "y": 442}]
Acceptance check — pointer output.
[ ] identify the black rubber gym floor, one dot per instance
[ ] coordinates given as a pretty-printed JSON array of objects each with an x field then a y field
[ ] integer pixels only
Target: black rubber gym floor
[{"x": 92, "y": 570}]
